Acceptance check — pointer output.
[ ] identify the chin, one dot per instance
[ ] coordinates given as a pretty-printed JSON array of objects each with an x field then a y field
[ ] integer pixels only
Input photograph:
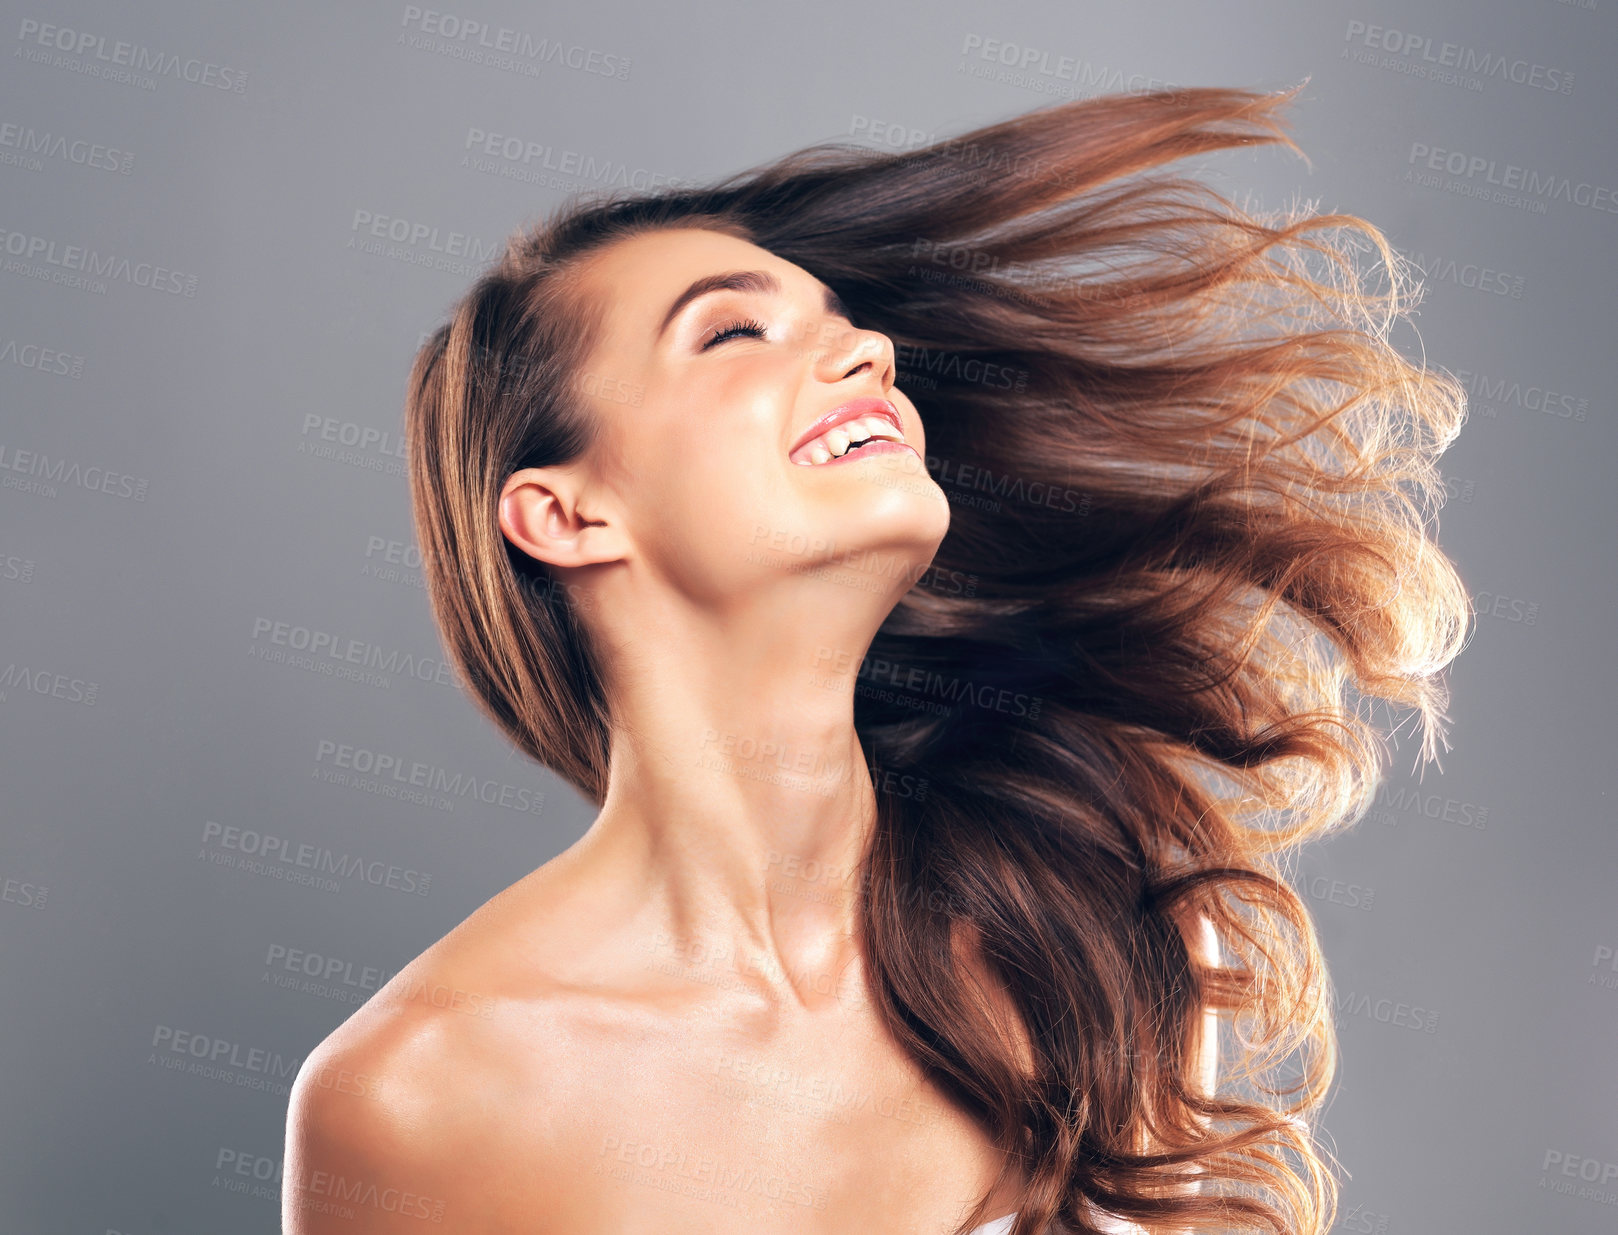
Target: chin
[{"x": 889, "y": 508}]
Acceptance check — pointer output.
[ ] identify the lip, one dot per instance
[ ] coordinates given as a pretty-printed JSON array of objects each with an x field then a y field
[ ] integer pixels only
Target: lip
[{"x": 852, "y": 410}]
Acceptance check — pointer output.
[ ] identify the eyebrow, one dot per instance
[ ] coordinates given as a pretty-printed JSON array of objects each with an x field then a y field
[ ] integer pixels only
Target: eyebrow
[{"x": 761, "y": 281}]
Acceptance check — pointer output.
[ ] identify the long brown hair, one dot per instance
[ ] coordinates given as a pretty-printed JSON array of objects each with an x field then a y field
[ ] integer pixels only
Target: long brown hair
[{"x": 1192, "y": 476}]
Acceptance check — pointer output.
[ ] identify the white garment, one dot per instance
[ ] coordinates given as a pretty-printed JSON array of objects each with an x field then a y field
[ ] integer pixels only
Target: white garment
[{"x": 1107, "y": 1222}]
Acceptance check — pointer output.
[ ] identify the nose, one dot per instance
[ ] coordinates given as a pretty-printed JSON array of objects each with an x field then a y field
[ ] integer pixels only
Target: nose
[{"x": 854, "y": 352}]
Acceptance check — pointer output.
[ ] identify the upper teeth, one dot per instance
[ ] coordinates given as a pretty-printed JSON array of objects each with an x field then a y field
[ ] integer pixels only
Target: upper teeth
[{"x": 834, "y": 442}]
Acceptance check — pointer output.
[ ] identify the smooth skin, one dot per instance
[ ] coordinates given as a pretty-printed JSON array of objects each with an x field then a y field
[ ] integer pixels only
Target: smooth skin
[{"x": 666, "y": 1027}]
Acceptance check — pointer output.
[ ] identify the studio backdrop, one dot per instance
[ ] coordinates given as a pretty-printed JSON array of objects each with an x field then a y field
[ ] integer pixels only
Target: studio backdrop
[{"x": 242, "y": 785}]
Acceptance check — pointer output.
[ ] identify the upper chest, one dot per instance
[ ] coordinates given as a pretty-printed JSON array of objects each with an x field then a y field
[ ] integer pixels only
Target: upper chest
[{"x": 631, "y": 1120}]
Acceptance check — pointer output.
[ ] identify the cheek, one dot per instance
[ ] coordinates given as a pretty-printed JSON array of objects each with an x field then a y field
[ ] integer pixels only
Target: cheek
[
  {"x": 710, "y": 512},
  {"x": 915, "y": 432},
  {"x": 725, "y": 433},
  {"x": 702, "y": 492},
  {"x": 916, "y": 436}
]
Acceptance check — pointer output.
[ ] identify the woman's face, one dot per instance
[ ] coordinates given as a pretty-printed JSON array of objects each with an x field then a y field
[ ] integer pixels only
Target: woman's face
[{"x": 704, "y": 399}]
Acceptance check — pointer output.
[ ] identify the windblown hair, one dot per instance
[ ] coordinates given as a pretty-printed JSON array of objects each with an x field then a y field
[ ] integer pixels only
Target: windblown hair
[{"x": 1192, "y": 476}]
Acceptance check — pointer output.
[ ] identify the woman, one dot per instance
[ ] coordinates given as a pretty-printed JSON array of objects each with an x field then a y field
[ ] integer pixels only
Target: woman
[{"x": 944, "y": 573}]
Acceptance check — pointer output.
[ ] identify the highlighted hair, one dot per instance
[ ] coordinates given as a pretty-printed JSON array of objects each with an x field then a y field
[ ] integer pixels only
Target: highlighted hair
[{"x": 1236, "y": 568}]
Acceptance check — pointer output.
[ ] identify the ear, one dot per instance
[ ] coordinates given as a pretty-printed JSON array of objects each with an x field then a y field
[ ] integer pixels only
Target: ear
[{"x": 541, "y": 513}]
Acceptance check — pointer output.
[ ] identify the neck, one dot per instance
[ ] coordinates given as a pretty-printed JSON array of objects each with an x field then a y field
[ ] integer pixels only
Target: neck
[{"x": 739, "y": 803}]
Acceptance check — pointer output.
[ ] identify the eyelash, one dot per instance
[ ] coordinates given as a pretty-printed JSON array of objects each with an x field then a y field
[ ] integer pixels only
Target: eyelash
[{"x": 736, "y": 330}]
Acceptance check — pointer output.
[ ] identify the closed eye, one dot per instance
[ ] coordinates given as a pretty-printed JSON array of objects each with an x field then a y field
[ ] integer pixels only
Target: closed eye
[{"x": 744, "y": 328}]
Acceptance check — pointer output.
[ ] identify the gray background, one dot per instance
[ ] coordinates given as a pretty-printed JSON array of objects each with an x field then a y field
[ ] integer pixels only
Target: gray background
[{"x": 1469, "y": 920}]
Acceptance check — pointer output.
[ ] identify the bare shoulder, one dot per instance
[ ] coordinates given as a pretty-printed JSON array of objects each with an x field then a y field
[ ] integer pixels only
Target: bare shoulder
[
  {"x": 366, "y": 1133},
  {"x": 401, "y": 1113}
]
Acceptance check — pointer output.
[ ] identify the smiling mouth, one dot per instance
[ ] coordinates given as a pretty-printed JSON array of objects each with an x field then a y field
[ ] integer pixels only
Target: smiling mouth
[{"x": 865, "y": 435}]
